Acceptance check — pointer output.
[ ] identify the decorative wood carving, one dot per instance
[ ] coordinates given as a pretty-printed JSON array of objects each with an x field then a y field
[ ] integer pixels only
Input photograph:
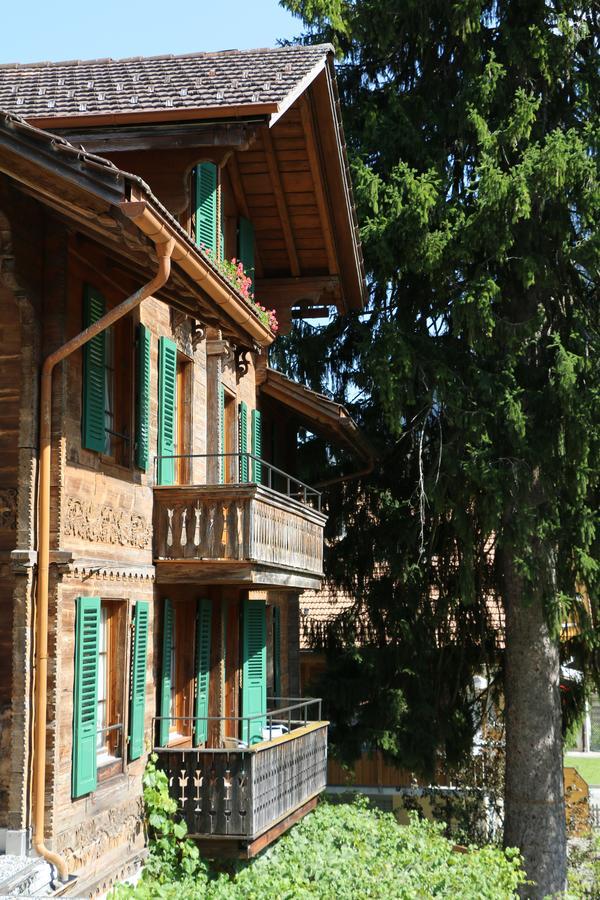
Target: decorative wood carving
[
  {"x": 106, "y": 525},
  {"x": 198, "y": 332},
  {"x": 220, "y": 347},
  {"x": 8, "y": 508},
  {"x": 242, "y": 360},
  {"x": 182, "y": 331}
]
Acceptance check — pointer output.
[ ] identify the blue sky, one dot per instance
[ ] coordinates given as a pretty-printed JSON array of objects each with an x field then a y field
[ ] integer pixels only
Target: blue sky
[{"x": 70, "y": 29}]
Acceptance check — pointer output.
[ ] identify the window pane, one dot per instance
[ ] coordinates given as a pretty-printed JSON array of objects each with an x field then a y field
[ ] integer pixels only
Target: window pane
[
  {"x": 109, "y": 390},
  {"x": 102, "y": 679}
]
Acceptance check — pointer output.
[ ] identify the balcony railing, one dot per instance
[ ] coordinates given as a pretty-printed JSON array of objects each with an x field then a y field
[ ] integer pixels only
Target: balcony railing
[
  {"x": 239, "y": 522},
  {"x": 228, "y": 468},
  {"x": 237, "y": 790}
]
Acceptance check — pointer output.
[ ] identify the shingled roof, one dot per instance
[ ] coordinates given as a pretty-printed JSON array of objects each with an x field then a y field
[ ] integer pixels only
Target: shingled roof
[{"x": 158, "y": 84}]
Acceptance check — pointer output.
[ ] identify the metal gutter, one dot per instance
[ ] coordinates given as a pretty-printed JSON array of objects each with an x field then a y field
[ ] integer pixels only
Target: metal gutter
[{"x": 201, "y": 270}]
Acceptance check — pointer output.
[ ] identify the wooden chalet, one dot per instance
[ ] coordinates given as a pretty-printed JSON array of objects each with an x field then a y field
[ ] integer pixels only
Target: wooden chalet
[{"x": 154, "y": 537}]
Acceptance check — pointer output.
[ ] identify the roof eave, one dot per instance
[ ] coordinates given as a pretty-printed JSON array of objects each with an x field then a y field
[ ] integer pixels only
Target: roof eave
[
  {"x": 150, "y": 117},
  {"x": 126, "y": 195},
  {"x": 326, "y": 415}
]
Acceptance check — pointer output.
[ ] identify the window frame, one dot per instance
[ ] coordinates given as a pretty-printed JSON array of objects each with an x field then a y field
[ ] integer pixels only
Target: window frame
[
  {"x": 118, "y": 446},
  {"x": 230, "y": 436},
  {"x": 184, "y": 371},
  {"x": 111, "y": 759},
  {"x": 183, "y": 650}
]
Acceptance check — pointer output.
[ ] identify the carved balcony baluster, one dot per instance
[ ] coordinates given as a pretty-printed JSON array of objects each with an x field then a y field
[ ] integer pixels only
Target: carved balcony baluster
[{"x": 239, "y": 524}]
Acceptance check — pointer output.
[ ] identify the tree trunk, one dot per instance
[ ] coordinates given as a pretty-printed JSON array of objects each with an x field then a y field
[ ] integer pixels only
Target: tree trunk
[{"x": 534, "y": 789}]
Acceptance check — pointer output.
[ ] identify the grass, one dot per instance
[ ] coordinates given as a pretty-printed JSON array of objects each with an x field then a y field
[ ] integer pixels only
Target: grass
[{"x": 588, "y": 768}]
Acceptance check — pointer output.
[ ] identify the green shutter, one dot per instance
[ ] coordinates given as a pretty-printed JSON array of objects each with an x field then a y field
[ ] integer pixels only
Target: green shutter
[
  {"x": 165, "y": 678},
  {"x": 142, "y": 399},
  {"x": 206, "y": 205},
  {"x": 203, "y": 627},
  {"x": 254, "y": 670},
  {"x": 85, "y": 696},
  {"x": 256, "y": 445},
  {"x": 167, "y": 386},
  {"x": 277, "y": 651},
  {"x": 243, "y": 441},
  {"x": 221, "y": 449},
  {"x": 93, "y": 433},
  {"x": 246, "y": 245},
  {"x": 137, "y": 700}
]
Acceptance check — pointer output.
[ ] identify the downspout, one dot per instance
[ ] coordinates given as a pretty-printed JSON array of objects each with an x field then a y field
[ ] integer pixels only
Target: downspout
[{"x": 164, "y": 248}]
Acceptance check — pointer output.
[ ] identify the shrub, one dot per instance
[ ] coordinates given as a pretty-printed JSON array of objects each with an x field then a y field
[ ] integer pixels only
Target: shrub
[
  {"x": 346, "y": 851},
  {"x": 174, "y": 860}
]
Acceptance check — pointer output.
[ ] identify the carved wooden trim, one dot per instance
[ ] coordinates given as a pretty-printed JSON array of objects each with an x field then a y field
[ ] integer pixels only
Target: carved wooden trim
[
  {"x": 8, "y": 508},
  {"x": 88, "y": 522}
]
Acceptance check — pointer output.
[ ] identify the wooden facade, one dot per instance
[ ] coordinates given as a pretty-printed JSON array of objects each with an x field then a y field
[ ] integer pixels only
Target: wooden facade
[{"x": 177, "y": 557}]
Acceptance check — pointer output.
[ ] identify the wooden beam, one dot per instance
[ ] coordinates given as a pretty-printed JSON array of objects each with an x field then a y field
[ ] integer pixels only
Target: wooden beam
[
  {"x": 281, "y": 203},
  {"x": 311, "y": 312},
  {"x": 289, "y": 291},
  {"x": 222, "y": 847},
  {"x": 316, "y": 172},
  {"x": 277, "y": 830},
  {"x": 240, "y": 199},
  {"x": 175, "y": 114},
  {"x": 161, "y": 137}
]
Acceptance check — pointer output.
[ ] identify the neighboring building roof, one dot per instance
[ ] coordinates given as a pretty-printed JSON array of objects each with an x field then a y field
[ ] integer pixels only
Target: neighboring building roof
[
  {"x": 263, "y": 80},
  {"x": 318, "y": 609},
  {"x": 318, "y": 412}
]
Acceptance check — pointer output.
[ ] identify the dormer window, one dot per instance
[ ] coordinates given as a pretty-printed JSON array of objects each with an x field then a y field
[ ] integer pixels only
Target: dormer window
[
  {"x": 246, "y": 246},
  {"x": 205, "y": 207}
]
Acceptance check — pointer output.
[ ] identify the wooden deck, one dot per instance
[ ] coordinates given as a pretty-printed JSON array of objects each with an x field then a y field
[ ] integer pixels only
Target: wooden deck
[
  {"x": 236, "y": 534},
  {"x": 235, "y": 802}
]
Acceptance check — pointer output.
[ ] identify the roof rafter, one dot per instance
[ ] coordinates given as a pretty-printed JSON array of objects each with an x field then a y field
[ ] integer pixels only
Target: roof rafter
[
  {"x": 316, "y": 172},
  {"x": 281, "y": 203},
  {"x": 242, "y": 205}
]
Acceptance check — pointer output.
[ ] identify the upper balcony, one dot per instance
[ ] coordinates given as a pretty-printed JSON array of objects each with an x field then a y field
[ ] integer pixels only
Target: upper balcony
[{"x": 267, "y": 534}]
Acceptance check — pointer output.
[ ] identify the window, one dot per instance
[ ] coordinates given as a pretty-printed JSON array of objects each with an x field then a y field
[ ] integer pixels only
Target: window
[
  {"x": 107, "y": 384},
  {"x": 174, "y": 414},
  {"x": 99, "y": 690},
  {"x": 183, "y": 419},
  {"x": 185, "y": 672},
  {"x": 205, "y": 226},
  {"x": 182, "y": 671},
  {"x": 117, "y": 393},
  {"x": 229, "y": 441},
  {"x": 246, "y": 245},
  {"x": 111, "y": 670}
]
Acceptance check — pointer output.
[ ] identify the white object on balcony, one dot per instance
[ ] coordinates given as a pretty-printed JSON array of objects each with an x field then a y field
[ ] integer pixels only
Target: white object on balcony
[{"x": 274, "y": 731}]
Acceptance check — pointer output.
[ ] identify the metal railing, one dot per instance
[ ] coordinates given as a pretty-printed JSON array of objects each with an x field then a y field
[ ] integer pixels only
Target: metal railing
[
  {"x": 259, "y": 471},
  {"x": 272, "y": 723}
]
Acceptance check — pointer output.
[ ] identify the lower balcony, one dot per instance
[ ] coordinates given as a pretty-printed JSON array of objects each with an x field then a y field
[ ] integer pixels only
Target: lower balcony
[
  {"x": 238, "y": 797},
  {"x": 243, "y": 533}
]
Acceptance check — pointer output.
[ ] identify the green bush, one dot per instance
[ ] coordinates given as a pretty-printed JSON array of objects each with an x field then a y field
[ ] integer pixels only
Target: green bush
[
  {"x": 341, "y": 852},
  {"x": 173, "y": 859}
]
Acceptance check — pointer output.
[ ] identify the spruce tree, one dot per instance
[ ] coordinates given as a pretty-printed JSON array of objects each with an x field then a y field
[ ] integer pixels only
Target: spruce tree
[{"x": 473, "y": 132}]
